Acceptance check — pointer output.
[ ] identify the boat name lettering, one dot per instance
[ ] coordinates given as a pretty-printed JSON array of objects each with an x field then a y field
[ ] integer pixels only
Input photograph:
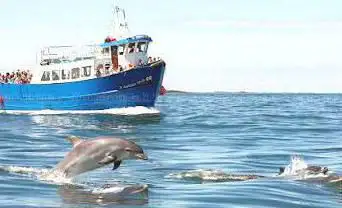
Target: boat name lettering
[{"x": 146, "y": 80}]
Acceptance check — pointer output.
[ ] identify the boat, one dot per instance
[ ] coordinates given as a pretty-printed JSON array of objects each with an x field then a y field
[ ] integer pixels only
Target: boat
[{"x": 116, "y": 73}]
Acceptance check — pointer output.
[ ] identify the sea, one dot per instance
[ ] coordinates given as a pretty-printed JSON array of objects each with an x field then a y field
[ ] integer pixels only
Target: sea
[{"x": 195, "y": 143}]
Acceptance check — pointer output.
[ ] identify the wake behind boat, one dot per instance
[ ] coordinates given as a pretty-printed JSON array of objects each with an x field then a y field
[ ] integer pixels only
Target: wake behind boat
[{"x": 114, "y": 74}]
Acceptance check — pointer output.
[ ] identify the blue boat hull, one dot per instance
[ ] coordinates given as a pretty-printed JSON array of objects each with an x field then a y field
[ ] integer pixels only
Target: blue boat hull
[{"x": 136, "y": 87}]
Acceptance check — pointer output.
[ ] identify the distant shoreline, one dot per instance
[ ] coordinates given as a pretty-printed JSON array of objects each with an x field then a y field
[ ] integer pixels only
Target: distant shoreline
[
  {"x": 176, "y": 91},
  {"x": 252, "y": 93}
]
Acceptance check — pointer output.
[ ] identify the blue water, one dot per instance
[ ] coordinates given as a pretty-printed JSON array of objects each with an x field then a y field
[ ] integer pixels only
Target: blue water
[{"x": 235, "y": 133}]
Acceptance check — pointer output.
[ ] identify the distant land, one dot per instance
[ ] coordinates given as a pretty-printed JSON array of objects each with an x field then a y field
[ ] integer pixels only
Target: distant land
[
  {"x": 182, "y": 91},
  {"x": 250, "y": 92},
  {"x": 176, "y": 91}
]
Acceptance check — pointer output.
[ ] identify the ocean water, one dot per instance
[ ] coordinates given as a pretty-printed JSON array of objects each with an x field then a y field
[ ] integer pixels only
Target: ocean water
[{"x": 185, "y": 134}]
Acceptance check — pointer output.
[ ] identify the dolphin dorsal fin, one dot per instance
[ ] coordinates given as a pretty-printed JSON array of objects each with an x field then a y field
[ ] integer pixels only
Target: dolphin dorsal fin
[{"x": 74, "y": 140}]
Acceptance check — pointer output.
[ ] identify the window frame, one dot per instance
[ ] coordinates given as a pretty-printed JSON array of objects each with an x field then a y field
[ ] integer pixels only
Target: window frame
[
  {"x": 58, "y": 75},
  {"x": 73, "y": 73},
  {"x": 45, "y": 75}
]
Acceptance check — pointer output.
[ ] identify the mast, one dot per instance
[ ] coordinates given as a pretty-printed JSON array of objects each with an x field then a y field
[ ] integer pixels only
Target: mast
[{"x": 120, "y": 23}]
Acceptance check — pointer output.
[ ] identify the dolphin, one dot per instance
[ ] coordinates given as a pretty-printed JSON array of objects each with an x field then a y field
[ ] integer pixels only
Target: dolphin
[
  {"x": 88, "y": 155},
  {"x": 311, "y": 169},
  {"x": 105, "y": 195},
  {"x": 210, "y": 175}
]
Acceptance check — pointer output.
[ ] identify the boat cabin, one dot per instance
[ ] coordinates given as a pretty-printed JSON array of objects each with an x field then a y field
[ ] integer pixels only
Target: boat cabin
[{"x": 92, "y": 61}]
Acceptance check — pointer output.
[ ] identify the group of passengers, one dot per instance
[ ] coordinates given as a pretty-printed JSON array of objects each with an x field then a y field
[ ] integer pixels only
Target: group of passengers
[
  {"x": 18, "y": 77},
  {"x": 152, "y": 60},
  {"x": 102, "y": 71}
]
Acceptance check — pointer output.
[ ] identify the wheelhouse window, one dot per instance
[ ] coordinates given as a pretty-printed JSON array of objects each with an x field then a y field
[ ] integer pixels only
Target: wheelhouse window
[
  {"x": 107, "y": 67},
  {"x": 142, "y": 47},
  {"x": 46, "y": 76},
  {"x": 105, "y": 51},
  {"x": 131, "y": 48},
  {"x": 56, "y": 75},
  {"x": 75, "y": 73},
  {"x": 121, "y": 49},
  {"x": 86, "y": 71}
]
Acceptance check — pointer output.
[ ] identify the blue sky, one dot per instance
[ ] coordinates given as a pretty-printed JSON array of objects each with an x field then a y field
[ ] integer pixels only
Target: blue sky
[{"x": 221, "y": 45}]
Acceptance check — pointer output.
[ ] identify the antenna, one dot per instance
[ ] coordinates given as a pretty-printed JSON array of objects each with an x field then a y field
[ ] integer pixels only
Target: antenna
[{"x": 120, "y": 23}]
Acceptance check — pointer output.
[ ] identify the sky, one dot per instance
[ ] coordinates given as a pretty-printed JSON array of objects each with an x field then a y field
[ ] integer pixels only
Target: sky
[{"x": 217, "y": 45}]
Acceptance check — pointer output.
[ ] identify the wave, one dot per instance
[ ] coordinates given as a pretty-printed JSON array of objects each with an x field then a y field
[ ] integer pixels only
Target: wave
[
  {"x": 138, "y": 110},
  {"x": 72, "y": 192},
  {"x": 47, "y": 175},
  {"x": 24, "y": 170}
]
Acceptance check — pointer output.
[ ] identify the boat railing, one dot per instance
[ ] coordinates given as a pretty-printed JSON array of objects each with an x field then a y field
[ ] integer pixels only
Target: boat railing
[{"x": 65, "y": 54}]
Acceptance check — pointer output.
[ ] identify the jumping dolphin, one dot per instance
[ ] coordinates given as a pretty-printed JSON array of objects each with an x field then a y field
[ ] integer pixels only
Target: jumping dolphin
[{"x": 88, "y": 155}]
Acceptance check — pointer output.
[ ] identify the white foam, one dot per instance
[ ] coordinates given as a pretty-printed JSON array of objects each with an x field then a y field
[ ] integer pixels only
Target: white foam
[
  {"x": 23, "y": 170},
  {"x": 115, "y": 189},
  {"x": 120, "y": 189},
  {"x": 55, "y": 177},
  {"x": 138, "y": 110},
  {"x": 296, "y": 164},
  {"x": 38, "y": 173},
  {"x": 296, "y": 170}
]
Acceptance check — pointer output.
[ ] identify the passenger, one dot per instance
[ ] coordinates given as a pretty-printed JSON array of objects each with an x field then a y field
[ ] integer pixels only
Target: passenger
[
  {"x": 17, "y": 77},
  {"x": 12, "y": 78},
  {"x": 98, "y": 72},
  {"x": 140, "y": 62}
]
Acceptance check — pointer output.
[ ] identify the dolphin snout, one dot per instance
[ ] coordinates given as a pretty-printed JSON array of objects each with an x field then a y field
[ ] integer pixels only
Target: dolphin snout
[{"x": 141, "y": 156}]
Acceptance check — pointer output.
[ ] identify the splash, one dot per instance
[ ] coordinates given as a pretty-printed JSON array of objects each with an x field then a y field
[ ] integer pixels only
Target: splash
[
  {"x": 297, "y": 164},
  {"x": 298, "y": 169},
  {"x": 139, "y": 110},
  {"x": 120, "y": 188},
  {"x": 77, "y": 192},
  {"x": 23, "y": 170},
  {"x": 55, "y": 177},
  {"x": 42, "y": 174},
  {"x": 210, "y": 175}
]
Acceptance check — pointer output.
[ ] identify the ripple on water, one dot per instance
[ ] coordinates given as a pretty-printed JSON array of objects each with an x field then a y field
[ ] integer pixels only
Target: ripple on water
[{"x": 233, "y": 133}]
